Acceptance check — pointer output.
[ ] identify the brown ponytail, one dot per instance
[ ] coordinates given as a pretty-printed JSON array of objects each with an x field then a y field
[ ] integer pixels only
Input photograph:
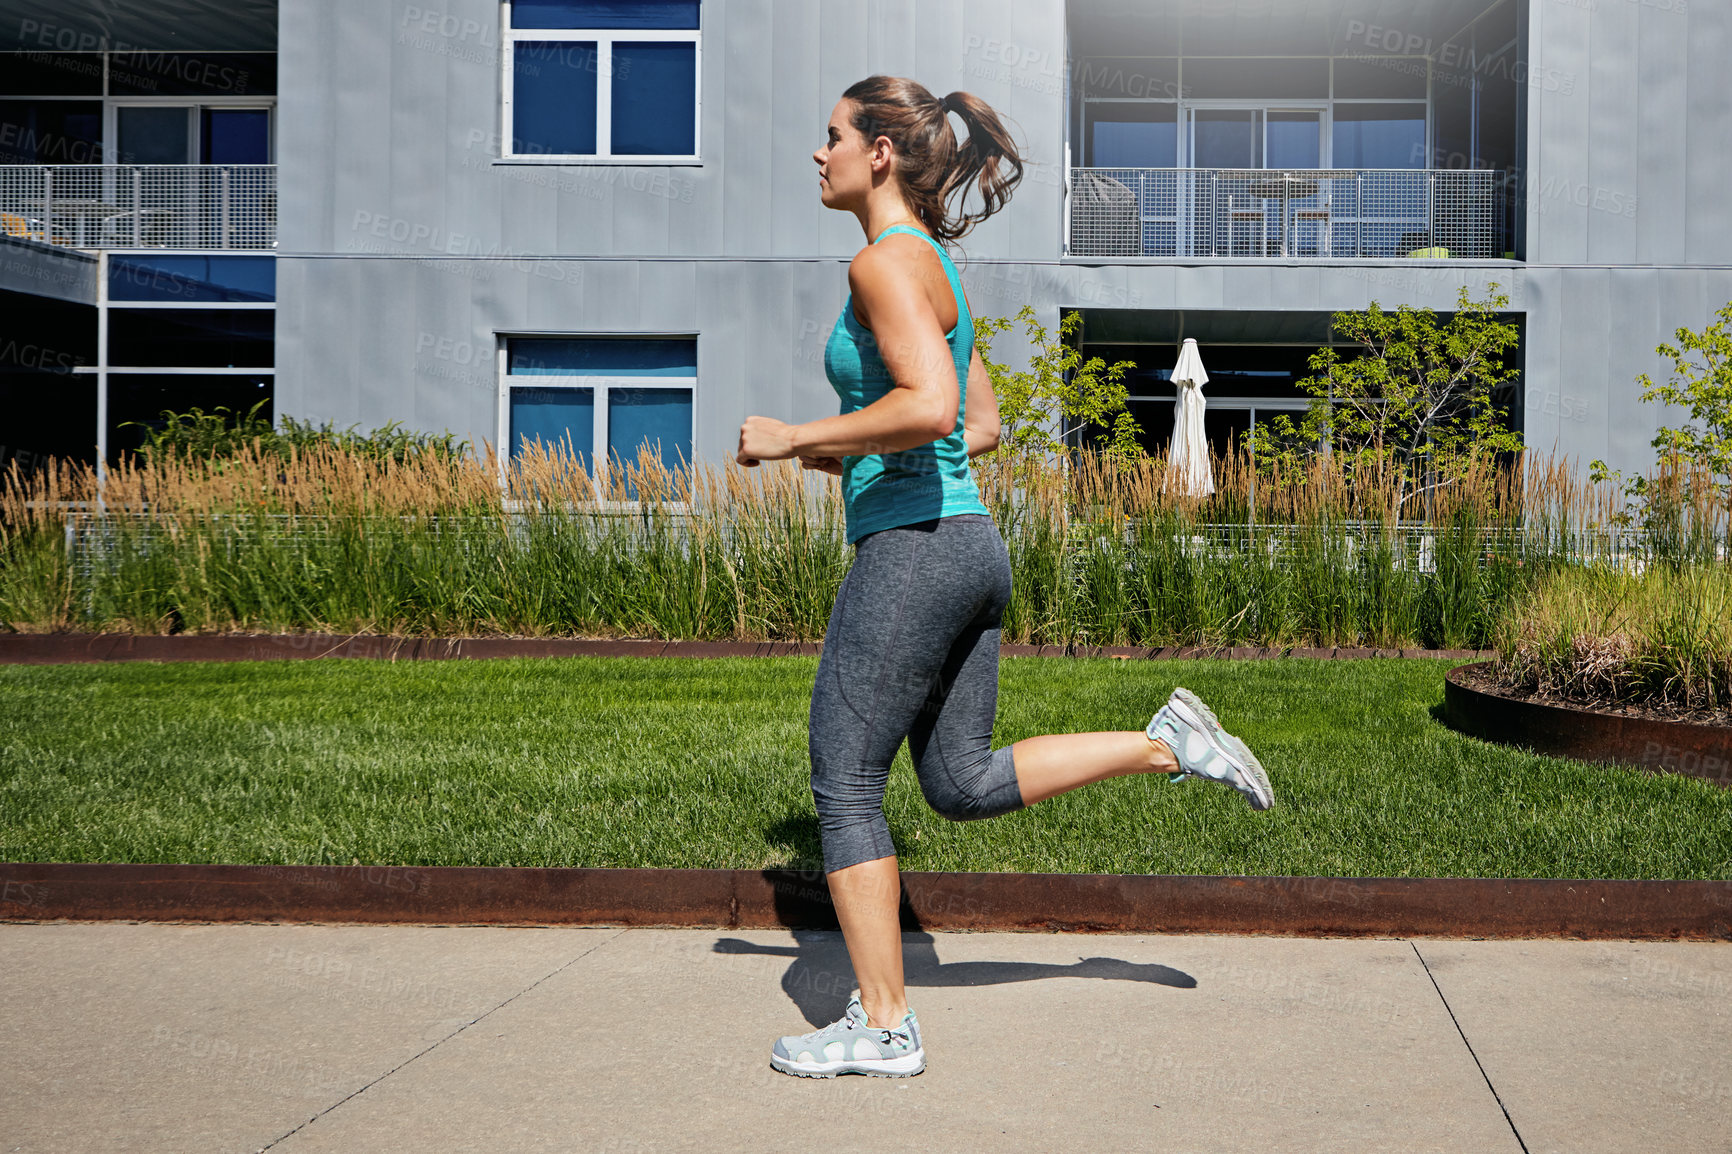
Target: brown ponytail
[{"x": 931, "y": 166}]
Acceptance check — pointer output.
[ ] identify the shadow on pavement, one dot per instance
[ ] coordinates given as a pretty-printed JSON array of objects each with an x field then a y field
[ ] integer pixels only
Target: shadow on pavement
[{"x": 820, "y": 978}]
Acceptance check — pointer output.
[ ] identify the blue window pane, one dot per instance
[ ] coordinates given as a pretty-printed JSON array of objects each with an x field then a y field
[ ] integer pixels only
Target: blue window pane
[
  {"x": 601, "y": 357},
  {"x": 236, "y": 136},
  {"x": 553, "y": 97},
  {"x": 662, "y": 418},
  {"x": 554, "y": 417},
  {"x": 1380, "y": 136},
  {"x": 655, "y": 92},
  {"x": 1126, "y": 135},
  {"x": 604, "y": 13},
  {"x": 1295, "y": 140},
  {"x": 192, "y": 278},
  {"x": 1134, "y": 145}
]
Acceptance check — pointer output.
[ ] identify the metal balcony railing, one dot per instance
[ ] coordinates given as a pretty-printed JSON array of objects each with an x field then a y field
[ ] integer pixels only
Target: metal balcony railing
[
  {"x": 1303, "y": 213},
  {"x": 186, "y": 206}
]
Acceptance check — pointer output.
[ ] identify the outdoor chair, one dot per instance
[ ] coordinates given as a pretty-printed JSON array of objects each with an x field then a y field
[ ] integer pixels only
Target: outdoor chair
[
  {"x": 1106, "y": 219},
  {"x": 1250, "y": 212},
  {"x": 1318, "y": 218},
  {"x": 26, "y": 228}
]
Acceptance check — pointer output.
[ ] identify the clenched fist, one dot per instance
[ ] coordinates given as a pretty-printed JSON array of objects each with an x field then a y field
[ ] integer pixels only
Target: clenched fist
[{"x": 765, "y": 439}]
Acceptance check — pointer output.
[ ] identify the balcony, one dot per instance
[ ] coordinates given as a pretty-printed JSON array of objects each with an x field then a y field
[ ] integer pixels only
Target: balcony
[
  {"x": 1326, "y": 214},
  {"x": 173, "y": 206}
]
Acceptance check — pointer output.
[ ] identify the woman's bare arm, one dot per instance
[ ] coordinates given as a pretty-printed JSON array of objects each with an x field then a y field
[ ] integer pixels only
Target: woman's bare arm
[{"x": 921, "y": 405}]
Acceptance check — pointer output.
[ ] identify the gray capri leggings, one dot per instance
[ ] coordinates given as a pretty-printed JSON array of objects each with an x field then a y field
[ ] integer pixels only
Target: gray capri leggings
[{"x": 911, "y": 651}]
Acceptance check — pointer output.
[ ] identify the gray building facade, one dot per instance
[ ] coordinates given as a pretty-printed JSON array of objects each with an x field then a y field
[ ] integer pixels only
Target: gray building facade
[{"x": 419, "y": 231}]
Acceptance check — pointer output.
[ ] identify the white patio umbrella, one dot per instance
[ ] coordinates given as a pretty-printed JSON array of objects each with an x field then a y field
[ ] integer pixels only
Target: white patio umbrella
[{"x": 1189, "y": 454}]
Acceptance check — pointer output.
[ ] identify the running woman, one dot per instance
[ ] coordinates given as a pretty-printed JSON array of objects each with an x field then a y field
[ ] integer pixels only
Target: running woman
[{"x": 911, "y": 649}]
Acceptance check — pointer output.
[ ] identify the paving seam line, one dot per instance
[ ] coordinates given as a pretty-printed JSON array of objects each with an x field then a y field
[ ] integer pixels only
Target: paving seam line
[
  {"x": 481, "y": 1017},
  {"x": 1496, "y": 1097}
]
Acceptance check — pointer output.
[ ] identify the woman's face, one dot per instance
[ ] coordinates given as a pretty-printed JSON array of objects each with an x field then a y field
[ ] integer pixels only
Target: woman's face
[{"x": 845, "y": 161}]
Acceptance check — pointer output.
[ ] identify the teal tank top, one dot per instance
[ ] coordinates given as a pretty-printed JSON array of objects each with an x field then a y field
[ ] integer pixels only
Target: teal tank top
[{"x": 884, "y": 490}]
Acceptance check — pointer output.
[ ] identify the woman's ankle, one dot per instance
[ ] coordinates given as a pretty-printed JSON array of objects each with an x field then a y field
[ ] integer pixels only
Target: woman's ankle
[
  {"x": 1161, "y": 758},
  {"x": 886, "y": 1015}
]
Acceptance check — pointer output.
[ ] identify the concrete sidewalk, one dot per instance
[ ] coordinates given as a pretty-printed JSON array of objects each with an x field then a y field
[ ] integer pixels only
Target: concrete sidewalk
[{"x": 350, "y": 1038}]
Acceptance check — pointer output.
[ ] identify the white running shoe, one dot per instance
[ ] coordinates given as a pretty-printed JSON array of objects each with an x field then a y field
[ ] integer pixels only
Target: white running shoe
[
  {"x": 1203, "y": 749},
  {"x": 850, "y": 1046}
]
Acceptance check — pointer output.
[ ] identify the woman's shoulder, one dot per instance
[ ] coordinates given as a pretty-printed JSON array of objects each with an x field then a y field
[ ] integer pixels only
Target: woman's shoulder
[{"x": 894, "y": 259}]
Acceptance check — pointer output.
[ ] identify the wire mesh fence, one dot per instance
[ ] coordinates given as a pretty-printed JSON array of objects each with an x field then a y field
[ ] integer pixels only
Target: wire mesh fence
[
  {"x": 102, "y": 543},
  {"x": 1413, "y": 546},
  {"x": 91, "y": 206},
  {"x": 1305, "y": 213}
]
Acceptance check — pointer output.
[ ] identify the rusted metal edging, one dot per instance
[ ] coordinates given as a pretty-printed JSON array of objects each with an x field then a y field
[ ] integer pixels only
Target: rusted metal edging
[
  {"x": 79, "y": 648},
  {"x": 745, "y": 899},
  {"x": 1703, "y": 751}
]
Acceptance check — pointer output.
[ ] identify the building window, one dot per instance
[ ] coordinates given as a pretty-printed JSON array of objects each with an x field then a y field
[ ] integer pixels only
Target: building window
[
  {"x": 1380, "y": 135},
  {"x": 184, "y": 331},
  {"x": 601, "y": 398},
  {"x": 602, "y": 80},
  {"x": 142, "y": 107}
]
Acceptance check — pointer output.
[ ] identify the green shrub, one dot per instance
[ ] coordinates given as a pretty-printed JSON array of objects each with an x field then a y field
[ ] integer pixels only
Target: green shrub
[{"x": 225, "y": 432}]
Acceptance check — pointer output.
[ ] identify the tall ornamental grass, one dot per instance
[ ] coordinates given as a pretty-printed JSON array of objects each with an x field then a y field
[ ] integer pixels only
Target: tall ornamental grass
[
  {"x": 1656, "y": 632},
  {"x": 324, "y": 537},
  {"x": 1662, "y": 636},
  {"x": 1115, "y": 555}
]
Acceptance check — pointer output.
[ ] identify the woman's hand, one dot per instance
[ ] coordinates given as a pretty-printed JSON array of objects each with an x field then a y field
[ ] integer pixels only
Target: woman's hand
[
  {"x": 831, "y": 465},
  {"x": 765, "y": 439}
]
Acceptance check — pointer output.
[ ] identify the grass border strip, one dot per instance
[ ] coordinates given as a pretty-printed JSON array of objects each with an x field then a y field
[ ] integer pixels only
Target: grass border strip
[
  {"x": 766, "y": 899},
  {"x": 81, "y": 648},
  {"x": 1703, "y": 751}
]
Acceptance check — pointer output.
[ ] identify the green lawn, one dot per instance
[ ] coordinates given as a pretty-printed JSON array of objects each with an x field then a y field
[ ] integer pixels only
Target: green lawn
[{"x": 659, "y": 762}]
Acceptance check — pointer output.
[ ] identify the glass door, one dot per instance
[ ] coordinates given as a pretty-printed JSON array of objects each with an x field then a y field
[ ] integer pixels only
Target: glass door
[
  {"x": 1235, "y": 210},
  {"x": 1294, "y": 140},
  {"x": 1127, "y": 200},
  {"x": 237, "y": 136},
  {"x": 1224, "y": 143},
  {"x": 159, "y": 196}
]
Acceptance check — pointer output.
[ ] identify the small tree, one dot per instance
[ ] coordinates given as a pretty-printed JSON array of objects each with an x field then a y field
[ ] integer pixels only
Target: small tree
[
  {"x": 1706, "y": 389},
  {"x": 1059, "y": 393},
  {"x": 1704, "y": 446},
  {"x": 1415, "y": 405}
]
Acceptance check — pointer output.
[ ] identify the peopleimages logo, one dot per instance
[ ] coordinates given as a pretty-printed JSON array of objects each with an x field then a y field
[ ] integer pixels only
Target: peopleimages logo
[
  {"x": 1453, "y": 62},
  {"x": 48, "y": 147},
  {"x": 33, "y": 356},
  {"x": 211, "y": 75},
  {"x": 1583, "y": 195}
]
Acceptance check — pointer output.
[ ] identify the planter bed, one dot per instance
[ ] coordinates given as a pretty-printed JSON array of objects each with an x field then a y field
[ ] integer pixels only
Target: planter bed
[{"x": 1475, "y": 705}]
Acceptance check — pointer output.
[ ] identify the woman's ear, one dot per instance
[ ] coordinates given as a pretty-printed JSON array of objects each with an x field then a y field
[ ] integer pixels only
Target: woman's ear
[{"x": 883, "y": 154}]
